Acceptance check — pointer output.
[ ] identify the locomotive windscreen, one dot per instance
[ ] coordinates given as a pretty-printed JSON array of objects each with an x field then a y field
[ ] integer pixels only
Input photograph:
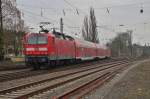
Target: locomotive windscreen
[{"x": 37, "y": 39}]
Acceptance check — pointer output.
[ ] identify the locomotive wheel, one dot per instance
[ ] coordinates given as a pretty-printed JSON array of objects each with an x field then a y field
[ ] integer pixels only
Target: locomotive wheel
[
  {"x": 36, "y": 67},
  {"x": 57, "y": 63},
  {"x": 27, "y": 64},
  {"x": 72, "y": 61},
  {"x": 52, "y": 63}
]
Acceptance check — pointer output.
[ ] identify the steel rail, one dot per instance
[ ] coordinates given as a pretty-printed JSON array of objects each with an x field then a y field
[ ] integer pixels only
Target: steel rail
[{"x": 47, "y": 88}]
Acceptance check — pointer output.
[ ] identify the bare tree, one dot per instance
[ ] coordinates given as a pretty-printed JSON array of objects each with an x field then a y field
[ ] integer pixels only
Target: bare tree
[
  {"x": 121, "y": 45},
  {"x": 93, "y": 27},
  {"x": 13, "y": 25},
  {"x": 89, "y": 29},
  {"x": 85, "y": 29},
  {"x": 11, "y": 12}
]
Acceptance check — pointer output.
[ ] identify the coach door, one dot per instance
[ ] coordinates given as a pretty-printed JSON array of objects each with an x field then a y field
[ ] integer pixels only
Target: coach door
[
  {"x": 70, "y": 47},
  {"x": 60, "y": 46}
]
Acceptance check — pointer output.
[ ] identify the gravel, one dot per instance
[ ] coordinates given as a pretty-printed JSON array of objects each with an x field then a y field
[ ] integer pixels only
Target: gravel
[
  {"x": 133, "y": 83},
  {"x": 8, "y": 65}
]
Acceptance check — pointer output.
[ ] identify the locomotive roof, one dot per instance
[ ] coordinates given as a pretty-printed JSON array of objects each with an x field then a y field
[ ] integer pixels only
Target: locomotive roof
[{"x": 46, "y": 34}]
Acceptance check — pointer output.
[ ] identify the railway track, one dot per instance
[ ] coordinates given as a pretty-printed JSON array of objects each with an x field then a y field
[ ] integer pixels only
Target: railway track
[
  {"x": 11, "y": 75},
  {"x": 81, "y": 90},
  {"x": 5, "y": 66},
  {"x": 12, "y": 71},
  {"x": 58, "y": 80},
  {"x": 23, "y": 73}
]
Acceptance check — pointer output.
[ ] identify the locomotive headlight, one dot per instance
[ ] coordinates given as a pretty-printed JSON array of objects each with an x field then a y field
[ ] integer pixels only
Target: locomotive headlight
[{"x": 43, "y": 49}]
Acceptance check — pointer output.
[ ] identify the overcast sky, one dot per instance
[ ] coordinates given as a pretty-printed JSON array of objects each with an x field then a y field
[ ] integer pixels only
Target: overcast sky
[{"x": 109, "y": 13}]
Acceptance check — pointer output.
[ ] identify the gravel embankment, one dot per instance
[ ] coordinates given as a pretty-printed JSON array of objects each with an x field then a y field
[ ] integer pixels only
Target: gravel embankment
[
  {"x": 8, "y": 65},
  {"x": 133, "y": 83}
]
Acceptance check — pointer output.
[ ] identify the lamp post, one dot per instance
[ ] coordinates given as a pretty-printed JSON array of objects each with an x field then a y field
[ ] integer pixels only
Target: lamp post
[
  {"x": 130, "y": 41},
  {"x": 119, "y": 48}
]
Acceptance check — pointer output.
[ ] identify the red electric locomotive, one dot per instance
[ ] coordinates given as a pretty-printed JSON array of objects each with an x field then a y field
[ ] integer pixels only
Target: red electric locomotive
[{"x": 50, "y": 48}]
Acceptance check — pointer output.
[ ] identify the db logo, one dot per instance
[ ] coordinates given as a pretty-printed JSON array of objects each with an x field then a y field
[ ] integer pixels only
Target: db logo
[{"x": 36, "y": 49}]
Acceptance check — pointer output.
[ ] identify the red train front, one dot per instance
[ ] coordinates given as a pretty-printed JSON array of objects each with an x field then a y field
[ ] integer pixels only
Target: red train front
[{"x": 37, "y": 48}]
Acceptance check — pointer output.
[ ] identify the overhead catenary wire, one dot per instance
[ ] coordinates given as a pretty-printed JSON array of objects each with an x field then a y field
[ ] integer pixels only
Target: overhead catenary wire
[
  {"x": 66, "y": 25},
  {"x": 74, "y": 7},
  {"x": 106, "y": 8},
  {"x": 34, "y": 14},
  {"x": 42, "y": 16}
]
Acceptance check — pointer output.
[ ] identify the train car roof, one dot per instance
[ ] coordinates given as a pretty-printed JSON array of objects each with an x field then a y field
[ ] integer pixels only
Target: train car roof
[
  {"x": 101, "y": 46},
  {"x": 83, "y": 43}
]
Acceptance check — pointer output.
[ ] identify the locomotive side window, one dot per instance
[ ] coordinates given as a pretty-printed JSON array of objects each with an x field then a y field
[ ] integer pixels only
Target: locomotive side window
[
  {"x": 37, "y": 39},
  {"x": 59, "y": 35}
]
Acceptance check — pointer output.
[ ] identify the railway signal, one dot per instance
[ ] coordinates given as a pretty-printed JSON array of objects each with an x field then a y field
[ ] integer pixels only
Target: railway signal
[{"x": 141, "y": 10}]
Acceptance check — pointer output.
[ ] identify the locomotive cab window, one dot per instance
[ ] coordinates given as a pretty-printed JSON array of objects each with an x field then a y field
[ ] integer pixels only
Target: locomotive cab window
[{"x": 37, "y": 39}]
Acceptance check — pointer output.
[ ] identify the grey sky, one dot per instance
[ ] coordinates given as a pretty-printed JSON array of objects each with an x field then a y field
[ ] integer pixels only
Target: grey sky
[{"x": 125, "y": 12}]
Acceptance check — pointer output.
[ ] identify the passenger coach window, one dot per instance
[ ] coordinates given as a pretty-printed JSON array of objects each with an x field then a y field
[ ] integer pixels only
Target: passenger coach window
[{"x": 69, "y": 38}]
